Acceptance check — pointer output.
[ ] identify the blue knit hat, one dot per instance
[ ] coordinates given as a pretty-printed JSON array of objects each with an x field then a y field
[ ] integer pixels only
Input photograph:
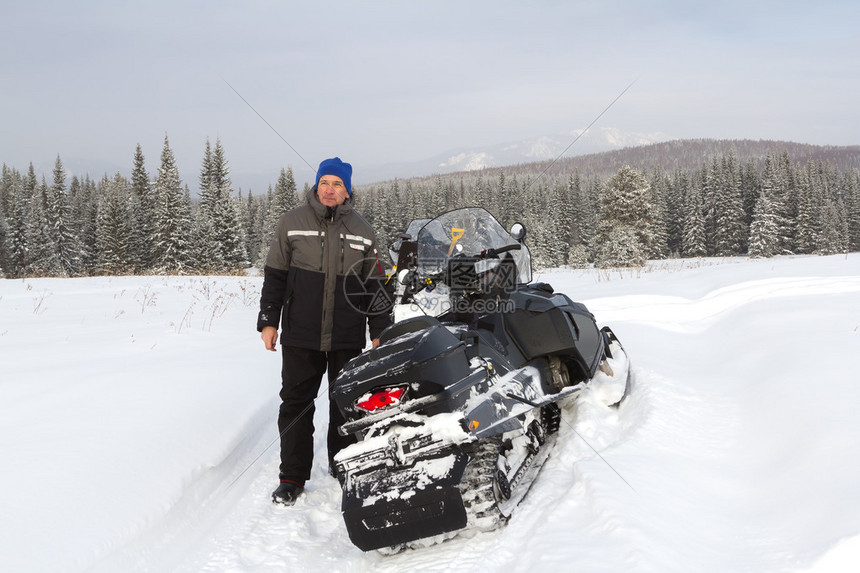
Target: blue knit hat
[{"x": 338, "y": 168}]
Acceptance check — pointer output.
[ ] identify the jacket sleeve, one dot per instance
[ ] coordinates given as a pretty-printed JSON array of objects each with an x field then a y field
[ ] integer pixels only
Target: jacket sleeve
[
  {"x": 275, "y": 278},
  {"x": 379, "y": 316},
  {"x": 272, "y": 298}
]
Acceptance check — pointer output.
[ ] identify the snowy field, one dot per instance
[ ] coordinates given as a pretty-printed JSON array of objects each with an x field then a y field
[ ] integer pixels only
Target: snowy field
[{"x": 137, "y": 422}]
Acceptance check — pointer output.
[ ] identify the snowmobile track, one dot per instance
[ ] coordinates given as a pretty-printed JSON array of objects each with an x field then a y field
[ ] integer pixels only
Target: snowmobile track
[{"x": 479, "y": 489}]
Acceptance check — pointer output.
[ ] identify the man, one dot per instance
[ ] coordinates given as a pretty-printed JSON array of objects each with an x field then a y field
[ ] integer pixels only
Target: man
[{"x": 321, "y": 251}]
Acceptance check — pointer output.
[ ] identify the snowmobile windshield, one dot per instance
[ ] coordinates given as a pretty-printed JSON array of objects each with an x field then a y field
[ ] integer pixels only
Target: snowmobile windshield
[{"x": 467, "y": 232}]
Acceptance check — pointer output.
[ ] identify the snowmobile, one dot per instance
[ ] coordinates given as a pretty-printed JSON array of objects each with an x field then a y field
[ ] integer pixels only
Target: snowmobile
[{"x": 458, "y": 407}]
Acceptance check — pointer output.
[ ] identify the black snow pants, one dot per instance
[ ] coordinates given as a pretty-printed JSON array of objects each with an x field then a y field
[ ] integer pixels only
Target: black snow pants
[{"x": 301, "y": 374}]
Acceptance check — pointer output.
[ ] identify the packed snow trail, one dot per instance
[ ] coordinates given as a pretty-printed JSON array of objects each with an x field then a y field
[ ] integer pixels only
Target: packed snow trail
[
  {"x": 275, "y": 538},
  {"x": 691, "y": 444}
]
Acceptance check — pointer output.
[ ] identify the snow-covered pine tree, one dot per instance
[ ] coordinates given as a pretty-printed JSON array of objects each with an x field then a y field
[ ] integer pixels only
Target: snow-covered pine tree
[
  {"x": 186, "y": 201},
  {"x": 4, "y": 209},
  {"x": 6, "y": 178},
  {"x": 557, "y": 224},
  {"x": 207, "y": 193},
  {"x": 224, "y": 214},
  {"x": 449, "y": 197},
  {"x": 555, "y": 218},
  {"x": 423, "y": 202},
  {"x": 583, "y": 222},
  {"x": 113, "y": 227},
  {"x": 750, "y": 188},
  {"x": 204, "y": 250},
  {"x": 20, "y": 192},
  {"x": 573, "y": 206},
  {"x": 143, "y": 208},
  {"x": 249, "y": 216},
  {"x": 513, "y": 201},
  {"x": 388, "y": 218},
  {"x": 84, "y": 209},
  {"x": 833, "y": 236},
  {"x": 851, "y": 184},
  {"x": 60, "y": 223},
  {"x": 676, "y": 195},
  {"x": 42, "y": 259},
  {"x": 775, "y": 184},
  {"x": 537, "y": 221},
  {"x": 789, "y": 202},
  {"x": 730, "y": 232},
  {"x": 243, "y": 214},
  {"x": 3, "y": 253},
  {"x": 478, "y": 195},
  {"x": 365, "y": 203},
  {"x": 499, "y": 198},
  {"x": 659, "y": 191},
  {"x": 620, "y": 247},
  {"x": 435, "y": 204},
  {"x": 565, "y": 218},
  {"x": 395, "y": 221},
  {"x": 5, "y": 183},
  {"x": 265, "y": 205},
  {"x": 16, "y": 227},
  {"x": 4, "y": 231},
  {"x": 765, "y": 230},
  {"x": 625, "y": 233},
  {"x": 710, "y": 179},
  {"x": 693, "y": 243},
  {"x": 592, "y": 192},
  {"x": 31, "y": 182},
  {"x": 76, "y": 201},
  {"x": 137, "y": 252},
  {"x": 172, "y": 217},
  {"x": 805, "y": 238},
  {"x": 414, "y": 209},
  {"x": 461, "y": 193},
  {"x": 283, "y": 199}
]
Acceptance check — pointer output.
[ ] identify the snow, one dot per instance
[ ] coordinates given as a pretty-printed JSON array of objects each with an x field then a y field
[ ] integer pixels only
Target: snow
[{"x": 137, "y": 431}]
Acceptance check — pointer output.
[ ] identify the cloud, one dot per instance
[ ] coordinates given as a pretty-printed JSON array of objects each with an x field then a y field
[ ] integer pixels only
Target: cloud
[{"x": 403, "y": 82}]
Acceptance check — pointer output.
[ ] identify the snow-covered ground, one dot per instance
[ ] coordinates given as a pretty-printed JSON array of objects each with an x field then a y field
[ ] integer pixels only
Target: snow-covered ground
[{"x": 137, "y": 432}]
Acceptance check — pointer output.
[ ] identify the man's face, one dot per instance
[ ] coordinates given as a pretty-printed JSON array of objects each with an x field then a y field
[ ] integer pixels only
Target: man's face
[{"x": 331, "y": 190}]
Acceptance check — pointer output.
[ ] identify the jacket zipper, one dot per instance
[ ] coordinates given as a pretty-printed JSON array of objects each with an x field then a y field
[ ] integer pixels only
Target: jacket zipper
[{"x": 324, "y": 269}]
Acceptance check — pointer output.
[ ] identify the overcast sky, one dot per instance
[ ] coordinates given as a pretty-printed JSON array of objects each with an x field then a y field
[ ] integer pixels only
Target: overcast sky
[{"x": 380, "y": 82}]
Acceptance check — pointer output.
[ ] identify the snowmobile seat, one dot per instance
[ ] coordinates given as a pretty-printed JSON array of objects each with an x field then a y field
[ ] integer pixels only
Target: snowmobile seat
[{"x": 405, "y": 326}]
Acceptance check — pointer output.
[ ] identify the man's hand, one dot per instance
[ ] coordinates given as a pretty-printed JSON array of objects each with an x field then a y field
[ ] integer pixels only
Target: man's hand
[
  {"x": 270, "y": 337},
  {"x": 374, "y": 343}
]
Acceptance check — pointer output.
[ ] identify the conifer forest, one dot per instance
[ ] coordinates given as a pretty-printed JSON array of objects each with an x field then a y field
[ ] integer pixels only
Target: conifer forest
[{"x": 729, "y": 202}]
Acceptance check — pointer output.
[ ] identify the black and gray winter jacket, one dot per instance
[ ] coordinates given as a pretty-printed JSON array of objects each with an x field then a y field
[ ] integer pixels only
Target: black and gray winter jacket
[{"x": 321, "y": 279}]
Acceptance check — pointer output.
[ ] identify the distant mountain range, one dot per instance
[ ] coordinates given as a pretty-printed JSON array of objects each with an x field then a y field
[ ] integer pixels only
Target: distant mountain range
[
  {"x": 685, "y": 154},
  {"x": 540, "y": 148}
]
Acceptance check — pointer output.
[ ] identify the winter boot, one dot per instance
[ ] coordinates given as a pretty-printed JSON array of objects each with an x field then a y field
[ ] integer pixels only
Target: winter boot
[{"x": 287, "y": 493}]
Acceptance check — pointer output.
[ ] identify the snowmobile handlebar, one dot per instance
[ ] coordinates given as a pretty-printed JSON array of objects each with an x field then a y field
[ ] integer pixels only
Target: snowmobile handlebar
[{"x": 491, "y": 253}]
